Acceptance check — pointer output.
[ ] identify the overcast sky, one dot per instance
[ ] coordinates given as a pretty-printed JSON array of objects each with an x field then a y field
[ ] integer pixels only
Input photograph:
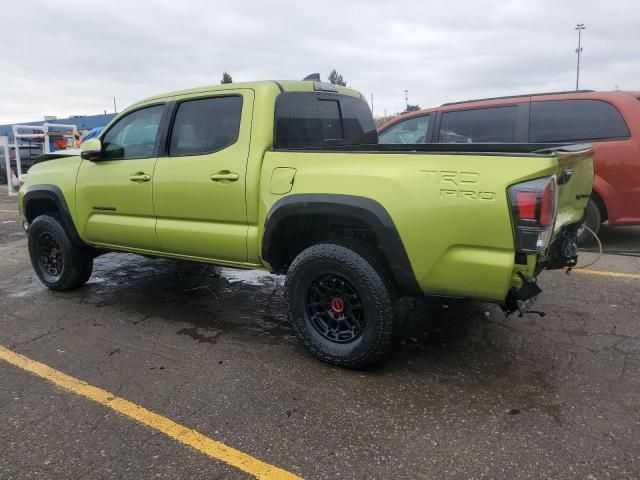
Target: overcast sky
[{"x": 64, "y": 58}]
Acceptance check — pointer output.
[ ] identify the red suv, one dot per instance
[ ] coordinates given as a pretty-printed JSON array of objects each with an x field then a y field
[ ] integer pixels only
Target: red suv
[{"x": 608, "y": 120}]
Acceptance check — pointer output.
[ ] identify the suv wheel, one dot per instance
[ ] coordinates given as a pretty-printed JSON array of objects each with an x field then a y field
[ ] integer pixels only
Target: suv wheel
[
  {"x": 340, "y": 302},
  {"x": 59, "y": 264},
  {"x": 593, "y": 220}
]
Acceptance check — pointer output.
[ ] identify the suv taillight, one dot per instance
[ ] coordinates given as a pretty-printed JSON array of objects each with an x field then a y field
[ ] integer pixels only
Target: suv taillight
[{"x": 533, "y": 207}]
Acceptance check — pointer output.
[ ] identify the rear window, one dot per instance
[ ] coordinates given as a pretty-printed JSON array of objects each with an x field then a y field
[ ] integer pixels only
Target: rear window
[
  {"x": 317, "y": 119},
  {"x": 488, "y": 125},
  {"x": 572, "y": 120}
]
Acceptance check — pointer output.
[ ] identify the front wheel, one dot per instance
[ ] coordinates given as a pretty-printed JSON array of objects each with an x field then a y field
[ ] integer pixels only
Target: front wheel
[
  {"x": 340, "y": 302},
  {"x": 59, "y": 264}
]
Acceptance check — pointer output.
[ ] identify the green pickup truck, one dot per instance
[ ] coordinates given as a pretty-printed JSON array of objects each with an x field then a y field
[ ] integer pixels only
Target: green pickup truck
[{"x": 288, "y": 177}]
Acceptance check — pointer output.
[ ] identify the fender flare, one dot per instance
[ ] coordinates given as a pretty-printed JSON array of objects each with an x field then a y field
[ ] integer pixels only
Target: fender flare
[
  {"x": 53, "y": 193},
  {"x": 372, "y": 213}
]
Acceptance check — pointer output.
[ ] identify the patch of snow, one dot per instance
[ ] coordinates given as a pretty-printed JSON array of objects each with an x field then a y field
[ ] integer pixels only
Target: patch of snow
[{"x": 249, "y": 277}]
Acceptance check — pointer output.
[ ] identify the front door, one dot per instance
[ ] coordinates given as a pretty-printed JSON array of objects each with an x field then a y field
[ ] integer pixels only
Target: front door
[
  {"x": 199, "y": 184},
  {"x": 114, "y": 194}
]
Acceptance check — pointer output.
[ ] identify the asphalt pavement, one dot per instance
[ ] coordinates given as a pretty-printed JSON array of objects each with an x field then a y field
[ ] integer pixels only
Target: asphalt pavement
[{"x": 468, "y": 394}]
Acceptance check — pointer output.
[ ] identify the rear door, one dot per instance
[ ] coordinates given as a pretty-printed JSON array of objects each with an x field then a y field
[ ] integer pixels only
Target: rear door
[{"x": 199, "y": 182}]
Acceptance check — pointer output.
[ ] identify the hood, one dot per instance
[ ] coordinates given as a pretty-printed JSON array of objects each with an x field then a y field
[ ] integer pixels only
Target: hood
[{"x": 71, "y": 152}]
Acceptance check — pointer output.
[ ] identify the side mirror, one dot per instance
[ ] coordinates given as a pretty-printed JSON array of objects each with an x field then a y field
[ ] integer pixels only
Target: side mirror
[{"x": 92, "y": 150}]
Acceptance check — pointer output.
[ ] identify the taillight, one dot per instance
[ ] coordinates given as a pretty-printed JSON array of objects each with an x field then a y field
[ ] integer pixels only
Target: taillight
[
  {"x": 548, "y": 205},
  {"x": 526, "y": 204},
  {"x": 533, "y": 206}
]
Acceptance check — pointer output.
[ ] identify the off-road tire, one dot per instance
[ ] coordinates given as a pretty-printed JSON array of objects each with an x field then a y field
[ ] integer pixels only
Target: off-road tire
[
  {"x": 74, "y": 264},
  {"x": 362, "y": 268},
  {"x": 593, "y": 220}
]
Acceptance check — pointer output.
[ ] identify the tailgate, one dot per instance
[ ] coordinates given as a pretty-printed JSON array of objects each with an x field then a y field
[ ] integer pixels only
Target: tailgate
[{"x": 574, "y": 176}]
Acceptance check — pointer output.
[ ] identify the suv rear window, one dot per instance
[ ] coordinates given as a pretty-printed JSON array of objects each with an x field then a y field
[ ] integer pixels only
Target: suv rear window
[
  {"x": 571, "y": 120},
  {"x": 489, "y": 125},
  {"x": 312, "y": 119}
]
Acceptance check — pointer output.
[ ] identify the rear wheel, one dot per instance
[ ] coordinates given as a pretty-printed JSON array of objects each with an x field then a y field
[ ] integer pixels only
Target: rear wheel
[
  {"x": 59, "y": 264},
  {"x": 593, "y": 220},
  {"x": 340, "y": 302}
]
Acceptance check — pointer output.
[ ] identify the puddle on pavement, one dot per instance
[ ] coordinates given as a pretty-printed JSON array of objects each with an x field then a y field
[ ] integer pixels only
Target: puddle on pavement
[{"x": 206, "y": 296}]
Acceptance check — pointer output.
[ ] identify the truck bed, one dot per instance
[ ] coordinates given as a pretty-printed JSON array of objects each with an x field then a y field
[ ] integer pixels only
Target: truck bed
[{"x": 449, "y": 205}]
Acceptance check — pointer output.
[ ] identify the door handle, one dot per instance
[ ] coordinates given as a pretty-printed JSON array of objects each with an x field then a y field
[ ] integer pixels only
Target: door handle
[
  {"x": 140, "y": 177},
  {"x": 224, "y": 175}
]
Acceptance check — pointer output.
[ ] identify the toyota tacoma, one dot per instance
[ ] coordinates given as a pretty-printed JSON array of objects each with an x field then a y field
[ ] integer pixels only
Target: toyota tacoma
[{"x": 289, "y": 177}]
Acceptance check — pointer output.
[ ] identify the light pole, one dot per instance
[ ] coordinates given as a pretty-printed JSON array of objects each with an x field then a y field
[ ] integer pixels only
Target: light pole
[
  {"x": 579, "y": 28},
  {"x": 406, "y": 99}
]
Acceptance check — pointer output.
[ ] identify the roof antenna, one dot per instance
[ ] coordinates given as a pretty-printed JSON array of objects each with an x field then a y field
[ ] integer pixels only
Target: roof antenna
[{"x": 314, "y": 77}]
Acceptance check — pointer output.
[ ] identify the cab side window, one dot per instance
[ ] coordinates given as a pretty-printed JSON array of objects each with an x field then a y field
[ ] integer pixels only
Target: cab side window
[
  {"x": 412, "y": 130},
  {"x": 205, "y": 125},
  {"x": 133, "y": 136}
]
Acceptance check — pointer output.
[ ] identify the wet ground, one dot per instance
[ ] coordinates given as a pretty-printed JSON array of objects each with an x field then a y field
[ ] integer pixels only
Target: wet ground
[{"x": 469, "y": 394}]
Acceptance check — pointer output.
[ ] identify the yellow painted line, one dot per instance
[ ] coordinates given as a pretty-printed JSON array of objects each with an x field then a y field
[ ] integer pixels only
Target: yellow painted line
[
  {"x": 212, "y": 448},
  {"x": 8, "y": 211},
  {"x": 607, "y": 274}
]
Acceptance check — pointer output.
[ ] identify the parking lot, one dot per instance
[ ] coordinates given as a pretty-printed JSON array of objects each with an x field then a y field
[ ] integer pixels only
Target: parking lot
[{"x": 468, "y": 393}]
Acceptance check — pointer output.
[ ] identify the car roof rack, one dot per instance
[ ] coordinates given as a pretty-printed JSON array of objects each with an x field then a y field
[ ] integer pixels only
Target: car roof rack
[{"x": 515, "y": 96}]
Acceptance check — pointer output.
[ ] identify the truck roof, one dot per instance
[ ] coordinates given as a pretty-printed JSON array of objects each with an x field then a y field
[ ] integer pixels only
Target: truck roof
[{"x": 274, "y": 86}]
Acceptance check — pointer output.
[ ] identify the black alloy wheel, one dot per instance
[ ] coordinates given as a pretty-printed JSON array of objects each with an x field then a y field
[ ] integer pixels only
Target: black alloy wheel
[
  {"x": 335, "y": 309},
  {"x": 49, "y": 255}
]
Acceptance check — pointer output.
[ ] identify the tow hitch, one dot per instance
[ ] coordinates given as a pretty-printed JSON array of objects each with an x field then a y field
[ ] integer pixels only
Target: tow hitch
[{"x": 522, "y": 299}]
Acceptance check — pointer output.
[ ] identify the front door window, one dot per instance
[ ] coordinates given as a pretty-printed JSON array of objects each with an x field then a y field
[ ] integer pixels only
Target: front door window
[{"x": 134, "y": 136}]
